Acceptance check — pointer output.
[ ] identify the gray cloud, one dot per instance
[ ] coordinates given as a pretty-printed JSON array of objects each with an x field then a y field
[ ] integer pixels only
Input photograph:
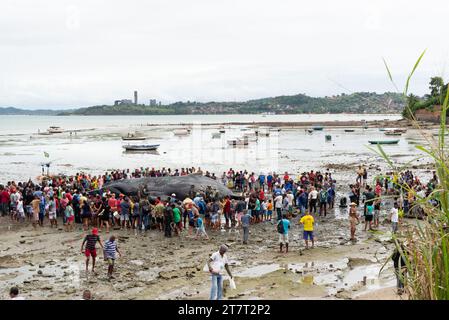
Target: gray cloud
[{"x": 79, "y": 53}]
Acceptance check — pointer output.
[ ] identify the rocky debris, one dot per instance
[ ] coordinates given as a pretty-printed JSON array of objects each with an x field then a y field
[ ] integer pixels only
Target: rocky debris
[
  {"x": 39, "y": 272},
  {"x": 22, "y": 241},
  {"x": 41, "y": 265}
]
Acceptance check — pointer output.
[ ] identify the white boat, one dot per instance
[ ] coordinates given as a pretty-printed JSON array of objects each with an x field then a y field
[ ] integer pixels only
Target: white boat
[
  {"x": 181, "y": 132},
  {"x": 54, "y": 129},
  {"x": 141, "y": 147},
  {"x": 239, "y": 142}
]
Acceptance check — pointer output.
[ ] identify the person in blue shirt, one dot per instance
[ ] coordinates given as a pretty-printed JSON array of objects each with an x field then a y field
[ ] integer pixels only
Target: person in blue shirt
[
  {"x": 302, "y": 201},
  {"x": 200, "y": 230},
  {"x": 283, "y": 236},
  {"x": 262, "y": 180},
  {"x": 270, "y": 182}
]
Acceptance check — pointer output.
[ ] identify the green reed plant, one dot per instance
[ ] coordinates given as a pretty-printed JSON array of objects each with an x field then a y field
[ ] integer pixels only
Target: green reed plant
[{"x": 426, "y": 243}]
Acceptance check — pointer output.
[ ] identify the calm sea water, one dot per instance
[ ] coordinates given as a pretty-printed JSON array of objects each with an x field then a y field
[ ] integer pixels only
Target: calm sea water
[
  {"x": 292, "y": 150},
  {"x": 31, "y": 124}
]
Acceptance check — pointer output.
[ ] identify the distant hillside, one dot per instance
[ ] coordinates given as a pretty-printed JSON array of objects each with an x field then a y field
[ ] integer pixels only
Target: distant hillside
[
  {"x": 16, "y": 111},
  {"x": 361, "y": 102}
]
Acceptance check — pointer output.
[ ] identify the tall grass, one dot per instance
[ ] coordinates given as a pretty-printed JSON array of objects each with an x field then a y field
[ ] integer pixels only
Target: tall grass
[{"x": 427, "y": 242}]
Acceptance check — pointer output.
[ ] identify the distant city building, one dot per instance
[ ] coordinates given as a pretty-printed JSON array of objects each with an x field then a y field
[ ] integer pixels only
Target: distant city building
[
  {"x": 122, "y": 101},
  {"x": 160, "y": 103},
  {"x": 153, "y": 102},
  {"x": 135, "y": 97}
]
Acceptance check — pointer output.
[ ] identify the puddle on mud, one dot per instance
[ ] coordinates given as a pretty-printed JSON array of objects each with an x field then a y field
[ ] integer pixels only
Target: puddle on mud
[
  {"x": 54, "y": 272},
  {"x": 333, "y": 275}
]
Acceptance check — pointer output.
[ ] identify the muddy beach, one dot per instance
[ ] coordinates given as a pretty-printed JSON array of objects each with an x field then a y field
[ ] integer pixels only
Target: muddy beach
[{"x": 47, "y": 263}]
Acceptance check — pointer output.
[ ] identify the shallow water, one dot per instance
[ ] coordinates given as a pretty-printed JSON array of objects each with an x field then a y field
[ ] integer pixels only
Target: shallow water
[{"x": 293, "y": 150}]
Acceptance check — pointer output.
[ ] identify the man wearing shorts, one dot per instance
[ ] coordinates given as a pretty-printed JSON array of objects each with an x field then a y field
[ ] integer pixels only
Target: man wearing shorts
[
  {"x": 308, "y": 222},
  {"x": 91, "y": 241},
  {"x": 283, "y": 236}
]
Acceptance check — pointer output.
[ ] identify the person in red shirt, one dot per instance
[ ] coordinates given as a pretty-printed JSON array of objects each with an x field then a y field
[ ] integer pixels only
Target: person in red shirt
[
  {"x": 286, "y": 177},
  {"x": 261, "y": 195},
  {"x": 4, "y": 201}
]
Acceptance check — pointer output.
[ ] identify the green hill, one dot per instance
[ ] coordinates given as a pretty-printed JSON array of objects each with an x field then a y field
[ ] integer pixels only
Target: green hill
[{"x": 361, "y": 102}]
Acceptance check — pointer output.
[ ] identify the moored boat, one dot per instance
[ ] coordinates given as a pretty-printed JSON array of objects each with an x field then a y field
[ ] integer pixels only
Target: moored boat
[
  {"x": 54, "y": 129},
  {"x": 383, "y": 141},
  {"x": 132, "y": 137},
  {"x": 141, "y": 147},
  {"x": 349, "y": 130},
  {"x": 318, "y": 128},
  {"x": 181, "y": 132},
  {"x": 392, "y": 133}
]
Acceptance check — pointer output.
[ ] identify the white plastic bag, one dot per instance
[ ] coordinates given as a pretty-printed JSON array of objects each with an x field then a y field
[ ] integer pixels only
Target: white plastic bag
[
  {"x": 206, "y": 268},
  {"x": 232, "y": 284}
]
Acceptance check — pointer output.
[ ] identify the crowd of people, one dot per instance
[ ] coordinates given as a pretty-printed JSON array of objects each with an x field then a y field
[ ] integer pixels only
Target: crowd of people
[{"x": 264, "y": 198}]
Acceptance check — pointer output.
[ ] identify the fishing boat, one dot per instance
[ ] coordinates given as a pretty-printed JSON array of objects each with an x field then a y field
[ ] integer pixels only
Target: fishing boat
[
  {"x": 181, "y": 132},
  {"x": 53, "y": 129},
  {"x": 349, "y": 130},
  {"x": 262, "y": 134},
  {"x": 383, "y": 141},
  {"x": 392, "y": 133},
  {"x": 318, "y": 128},
  {"x": 130, "y": 137},
  {"x": 239, "y": 142},
  {"x": 141, "y": 147}
]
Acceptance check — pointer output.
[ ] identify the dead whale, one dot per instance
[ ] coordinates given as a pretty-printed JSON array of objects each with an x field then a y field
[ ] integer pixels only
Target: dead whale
[{"x": 182, "y": 186}]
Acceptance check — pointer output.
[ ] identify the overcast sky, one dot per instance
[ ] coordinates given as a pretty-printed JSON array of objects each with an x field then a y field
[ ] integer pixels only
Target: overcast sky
[{"x": 61, "y": 54}]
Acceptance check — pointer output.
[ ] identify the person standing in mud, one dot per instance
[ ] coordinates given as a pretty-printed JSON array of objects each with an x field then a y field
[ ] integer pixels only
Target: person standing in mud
[
  {"x": 282, "y": 227},
  {"x": 91, "y": 241},
  {"x": 313, "y": 198},
  {"x": 109, "y": 250},
  {"x": 308, "y": 222},
  {"x": 35, "y": 204},
  {"x": 168, "y": 219},
  {"x": 353, "y": 219},
  {"x": 216, "y": 264}
]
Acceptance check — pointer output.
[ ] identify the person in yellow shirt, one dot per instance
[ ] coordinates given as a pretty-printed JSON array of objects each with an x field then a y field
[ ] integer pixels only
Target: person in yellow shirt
[{"x": 308, "y": 222}]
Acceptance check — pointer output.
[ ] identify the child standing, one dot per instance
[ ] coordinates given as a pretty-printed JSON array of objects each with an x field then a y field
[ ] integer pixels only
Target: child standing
[
  {"x": 269, "y": 210},
  {"x": 200, "y": 230},
  {"x": 110, "y": 248}
]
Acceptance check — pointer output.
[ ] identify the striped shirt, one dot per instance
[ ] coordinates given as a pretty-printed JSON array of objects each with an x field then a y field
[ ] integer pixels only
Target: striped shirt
[
  {"x": 91, "y": 241},
  {"x": 109, "y": 249}
]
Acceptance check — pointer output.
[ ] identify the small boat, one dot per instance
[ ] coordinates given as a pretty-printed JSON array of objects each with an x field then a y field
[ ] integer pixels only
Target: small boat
[
  {"x": 239, "y": 142},
  {"x": 181, "y": 132},
  {"x": 317, "y": 128},
  {"x": 328, "y": 137},
  {"x": 129, "y": 138},
  {"x": 262, "y": 134},
  {"x": 382, "y": 129},
  {"x": 141, "y": 147},
  {"x": 222, "y": 130},
  {"x": 400, "y": 130},
  {"x": 52, "y": 130},
  {"x": 349, "y": 130},
  {"x": 383, "y": 141},
  {"x": 445, "y": 134},
  {"x": 392, "y": 133}
]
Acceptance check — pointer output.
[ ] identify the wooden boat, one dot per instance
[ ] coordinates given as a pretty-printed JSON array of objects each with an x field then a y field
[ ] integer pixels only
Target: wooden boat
[
  {"x": 141, "y": 147},
  {"x": 239, "y": 142},
  {"x": 392, "y": 133},
  {"x": 383, "y": 141},
  {"x": 129, "y": 138},
  {"x": 317, "y": 128},
  {"x": 400, "y": 130},
  {"x": 52, "y": 130},
  {"x": 349, "y": 130},
  {"x": 181, "y": 132}
]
